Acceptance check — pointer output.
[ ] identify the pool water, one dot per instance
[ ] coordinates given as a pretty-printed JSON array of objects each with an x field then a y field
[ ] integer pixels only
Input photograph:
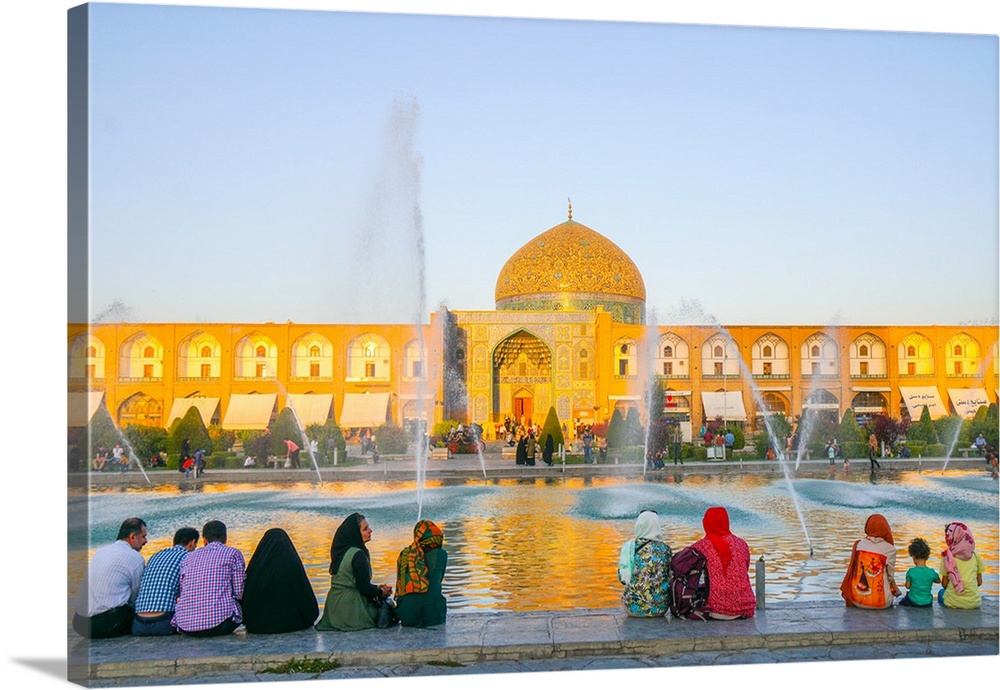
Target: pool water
[{"x": 553, "y": 543}]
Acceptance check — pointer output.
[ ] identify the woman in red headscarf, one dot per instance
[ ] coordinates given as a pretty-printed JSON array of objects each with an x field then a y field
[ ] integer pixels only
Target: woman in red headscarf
[
  {"x": 870, "y": 582},
  {"x": 730, "y": 594}
]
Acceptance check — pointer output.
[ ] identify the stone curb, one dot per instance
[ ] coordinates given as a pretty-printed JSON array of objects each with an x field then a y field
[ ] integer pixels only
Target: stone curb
[{"x": 555, "y": 632}]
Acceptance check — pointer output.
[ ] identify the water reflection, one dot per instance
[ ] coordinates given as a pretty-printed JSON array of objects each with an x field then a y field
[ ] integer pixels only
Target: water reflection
[{"x": 552, "y": 543}]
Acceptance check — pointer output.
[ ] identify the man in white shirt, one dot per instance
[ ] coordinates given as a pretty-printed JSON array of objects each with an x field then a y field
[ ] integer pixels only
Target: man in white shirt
[{"x": 104, "y": 605}]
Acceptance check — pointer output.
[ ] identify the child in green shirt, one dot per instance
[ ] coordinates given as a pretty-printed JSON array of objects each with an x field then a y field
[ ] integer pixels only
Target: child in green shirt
[{"x": 919, "y": 578}]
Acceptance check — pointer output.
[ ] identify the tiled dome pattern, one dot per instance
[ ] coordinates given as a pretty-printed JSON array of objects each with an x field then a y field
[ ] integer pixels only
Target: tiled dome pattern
[{"x": 568, "y": 258}]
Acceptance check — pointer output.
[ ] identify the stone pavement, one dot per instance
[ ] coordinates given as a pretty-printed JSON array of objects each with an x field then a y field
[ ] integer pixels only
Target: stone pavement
[
  {"x": 467, "y": 466},
  {"x": 503, "y": 642}
]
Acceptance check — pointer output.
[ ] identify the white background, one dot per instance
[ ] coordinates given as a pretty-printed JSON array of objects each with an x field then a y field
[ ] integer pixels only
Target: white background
[{"x": 32, "y": 201}]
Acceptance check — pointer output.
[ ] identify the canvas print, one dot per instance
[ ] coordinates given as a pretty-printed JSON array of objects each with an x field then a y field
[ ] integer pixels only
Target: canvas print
[{"x": 423, "y": 345}]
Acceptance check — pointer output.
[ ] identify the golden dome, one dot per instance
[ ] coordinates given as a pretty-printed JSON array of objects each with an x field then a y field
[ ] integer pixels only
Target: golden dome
[{"x": 569, "y": 260}]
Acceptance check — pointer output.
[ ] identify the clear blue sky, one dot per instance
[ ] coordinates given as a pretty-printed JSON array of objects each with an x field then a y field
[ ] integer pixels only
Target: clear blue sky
[{"x": 774, "y": 175}]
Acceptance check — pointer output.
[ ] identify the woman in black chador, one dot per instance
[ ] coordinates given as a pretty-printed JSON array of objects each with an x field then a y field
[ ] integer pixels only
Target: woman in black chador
[
  {"x": 277, "y": 595},
  {"x": 548, "y": 450},
  {"x": 522, "y": 451}
]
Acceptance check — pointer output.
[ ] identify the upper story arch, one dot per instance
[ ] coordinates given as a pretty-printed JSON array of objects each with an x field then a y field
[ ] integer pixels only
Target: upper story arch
[
  {"x": 867, "y": 354},
  {"x": 673, "y": 356},
  {"x": 915, "y": 355},
  {"x": 962, "y": 356},
  {"x": 769, "y": 357},
  {"x": 199, "y": 356},
  {"x": 86, "y": 358},
  {"x": 369, "y": 358},
  {"x": 312, "y": 357},
  {"x": 720, "y": 357},
  {"x": 819, "y": 356},
  {"x": 255, "y": 357},
  {"x": 141, "y": 358}
]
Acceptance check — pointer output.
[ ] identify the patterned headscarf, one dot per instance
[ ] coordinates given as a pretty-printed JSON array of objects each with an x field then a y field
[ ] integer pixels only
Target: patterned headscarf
[
  {"x": 647, "y": 528},
  {"x": 411, "y": 566},
  {"x": 961, "y": 545}
]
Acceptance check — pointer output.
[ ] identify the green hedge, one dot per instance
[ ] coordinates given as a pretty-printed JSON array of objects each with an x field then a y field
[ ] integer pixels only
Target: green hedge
[
  {"x": 627, "y": 455},
  {"x": 935, "y": 450},
  {"x": 917, "y": 448},
  {"x": 854, "y": 450}
]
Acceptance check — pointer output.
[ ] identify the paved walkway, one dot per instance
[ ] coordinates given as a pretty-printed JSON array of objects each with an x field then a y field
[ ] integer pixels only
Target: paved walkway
[
  {"x": 493, "y": 466},
  {"x": 492, "y": 642}
]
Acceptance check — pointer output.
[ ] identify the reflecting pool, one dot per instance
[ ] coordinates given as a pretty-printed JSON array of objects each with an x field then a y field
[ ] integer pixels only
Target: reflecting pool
[{"x": 552, "y": 543}]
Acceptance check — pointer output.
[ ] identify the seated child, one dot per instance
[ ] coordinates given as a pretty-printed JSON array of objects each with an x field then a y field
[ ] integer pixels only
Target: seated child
[
  {"x": 919, "y": 578},
  {"x": 961, "y": 569}
]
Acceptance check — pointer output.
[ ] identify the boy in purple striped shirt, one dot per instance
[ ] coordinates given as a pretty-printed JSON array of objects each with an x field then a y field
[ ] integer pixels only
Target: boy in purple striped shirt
[{"x": 211, "y": 586}]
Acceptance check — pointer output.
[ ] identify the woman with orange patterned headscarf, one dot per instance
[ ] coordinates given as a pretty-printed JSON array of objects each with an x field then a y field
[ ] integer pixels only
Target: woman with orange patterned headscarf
[
  {"x": 870, "y": 582},
  {"x": 419, "y": 572}
]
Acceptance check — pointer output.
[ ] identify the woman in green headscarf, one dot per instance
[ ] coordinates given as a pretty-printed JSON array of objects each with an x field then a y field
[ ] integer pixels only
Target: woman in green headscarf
[{"x": 419, "y": 572}]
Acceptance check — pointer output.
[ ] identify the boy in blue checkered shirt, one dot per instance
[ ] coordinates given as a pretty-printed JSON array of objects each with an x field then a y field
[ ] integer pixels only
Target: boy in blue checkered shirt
[{"x": 157, "y": 598}]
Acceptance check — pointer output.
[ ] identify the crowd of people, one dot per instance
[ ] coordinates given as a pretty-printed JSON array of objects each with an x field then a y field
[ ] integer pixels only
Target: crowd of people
[
  {"x": 210, "y": 590},
  {"x": 710, "y": 578}
]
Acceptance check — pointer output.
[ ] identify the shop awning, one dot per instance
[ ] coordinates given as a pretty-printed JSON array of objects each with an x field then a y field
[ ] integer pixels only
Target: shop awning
[
  {"x": 363, "y": 409},
  {"x": 82, "y": 406},
  {"x": 919, "y": 396},
  {"x": 967, "y": 401},
  {"x": 725, "y": 404},
  {"x": 249, "y": 411},
  {"x": 311, "y": 408},
  {"x": 206, "y": 407}
]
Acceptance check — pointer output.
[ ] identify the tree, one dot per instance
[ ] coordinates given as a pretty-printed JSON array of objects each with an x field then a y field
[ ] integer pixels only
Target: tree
[
  {"x": 391, "y": 439},
  {"x": 949, "y": 430},
  {"x": 987, "y": 423},
  {"x": 222, "y": 439},
  {"x": 616, "y": 430},
  {"x": 103, "y": 433},
  {"x": 192, "y": 428},
  {"x": 923, "y": 430},
  {"x": 324, "y": 432},
  {"x": 146, "y": 440},
  {"x": 634, "y": 433},
  {"x": 657, "y": 441},
  {"x": 552, "y": 428},
  {"x": 886, "y": 429},
  {"x": 739, "y": 437},
  {"x": 285, "y": 427},
  {"x": 849, "y": 431}
]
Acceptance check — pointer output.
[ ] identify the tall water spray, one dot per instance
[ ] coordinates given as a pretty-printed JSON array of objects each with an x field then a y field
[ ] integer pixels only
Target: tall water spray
[
  {"x": 981, "y": 377},
  {"x": 804, "y": 433},
  {"x": 648, "y": 346},
  {"x": 132, "y": 455},
  {"x": 775, "y": 441}
]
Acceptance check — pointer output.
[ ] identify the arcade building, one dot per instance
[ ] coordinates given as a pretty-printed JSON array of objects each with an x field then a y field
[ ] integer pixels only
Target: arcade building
[{"x": 568, "y": 331}]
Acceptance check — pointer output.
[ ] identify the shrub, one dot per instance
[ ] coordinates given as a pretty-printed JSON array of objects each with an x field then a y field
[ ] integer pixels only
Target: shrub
[
  {"x": 222, "y": 439},
  {"x": 849, "y": 431},
  {"x": 285, "y": 427},
  {"x": 740, "y": 440},
  {"x": 102, "y": 434},
  {"x": 627, "y": 455},
  {"x": 935, "y": 450},
  {"x": 634, "y": 433},
  {"x": 917, "y": 448},
  {"x": 192, "y": 428},
  {"x": 886, "y": 429},
  {"x": 616, "y": 430},
  {"x": 256, "y": 443},
  {"x": 699, "y": 453},
  {"x": 855, "y": 449},
  {"x": 441, "y": 429},
  {"x": 987, "y": 423},
  {"x": 923, "y": 430},
  {"x": 391, "y": 439},
  {"x": 146, "y": 440},
  {"x": 324, "y": 433},
  {"x": 552, "y": 428}
]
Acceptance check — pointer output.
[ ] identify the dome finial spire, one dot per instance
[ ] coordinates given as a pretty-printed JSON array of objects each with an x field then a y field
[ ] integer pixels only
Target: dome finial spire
[{"x": 570, "y": 201}]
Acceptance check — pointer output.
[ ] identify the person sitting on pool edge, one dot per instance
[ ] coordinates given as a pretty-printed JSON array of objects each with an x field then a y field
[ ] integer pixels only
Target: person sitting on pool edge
[
  {"x": 211, "y": 586},
  {"x": 727, "y": 558},
  {"x": 419, "y": 572},
  {"x": 871, "y": 571},
  {"x": 154, "y": 606},
  {"x": 353, "y": 601}
]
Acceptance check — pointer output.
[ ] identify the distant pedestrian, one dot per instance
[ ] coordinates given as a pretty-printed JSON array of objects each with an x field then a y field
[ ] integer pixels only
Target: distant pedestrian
[{"x": 873, "y": 452}]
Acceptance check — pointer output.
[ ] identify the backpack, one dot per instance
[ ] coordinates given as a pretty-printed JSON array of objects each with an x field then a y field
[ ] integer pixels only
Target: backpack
[{"x": 689, "y": 585}]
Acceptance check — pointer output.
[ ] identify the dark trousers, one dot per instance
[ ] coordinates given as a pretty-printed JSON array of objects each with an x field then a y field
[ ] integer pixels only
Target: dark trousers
[
  {"x": 153, "y": 626},
  {"x": 224, "y": 628},
  {"x": 112, "y": 623}
]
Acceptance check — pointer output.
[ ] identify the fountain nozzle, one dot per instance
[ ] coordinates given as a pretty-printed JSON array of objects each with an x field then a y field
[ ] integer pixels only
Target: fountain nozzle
[{"x": 810, "y": 551}]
